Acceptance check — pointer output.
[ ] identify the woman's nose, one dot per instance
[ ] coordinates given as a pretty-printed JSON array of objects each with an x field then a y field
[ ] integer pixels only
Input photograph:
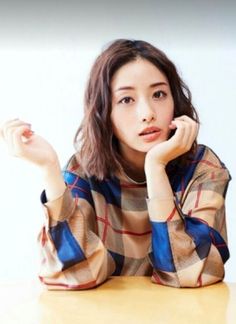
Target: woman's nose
[{"x": 146, "y": 112}]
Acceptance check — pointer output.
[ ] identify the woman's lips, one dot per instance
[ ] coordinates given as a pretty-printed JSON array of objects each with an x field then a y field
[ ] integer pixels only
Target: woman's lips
[
  {"x": 150, "y": 134},
  {"x": 150, "y": 137}
]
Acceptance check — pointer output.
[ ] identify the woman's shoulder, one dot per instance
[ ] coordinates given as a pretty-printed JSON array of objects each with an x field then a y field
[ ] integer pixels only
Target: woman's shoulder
[
  {"x": 207, "y": 155},
  {"x": 208, "y": 160},
  {"x": 73, "y": 166}
]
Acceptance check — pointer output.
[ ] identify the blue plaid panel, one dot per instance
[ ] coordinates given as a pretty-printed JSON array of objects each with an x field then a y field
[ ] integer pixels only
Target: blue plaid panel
[
  {"x": 80, "y": 187},
  {"x": 68, "y": 250},
  {"x": 109, "y": 188},
  {"x": 162, "y": 255},
  {"x": 203, "y": 236},
  {"x": 181, "y": 180}
]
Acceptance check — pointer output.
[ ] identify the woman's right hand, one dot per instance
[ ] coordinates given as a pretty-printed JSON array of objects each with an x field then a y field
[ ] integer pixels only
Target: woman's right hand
[{"x": 23, "y": 143}]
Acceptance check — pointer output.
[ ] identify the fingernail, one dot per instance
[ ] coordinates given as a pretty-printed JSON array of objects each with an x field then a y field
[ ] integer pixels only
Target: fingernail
[{"x": 28, "y": 133}]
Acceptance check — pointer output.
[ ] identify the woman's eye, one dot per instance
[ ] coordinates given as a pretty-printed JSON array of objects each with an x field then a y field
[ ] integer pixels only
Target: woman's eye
[
  {"x": 126, "y": 100},
  {"x": 159, "y": 94}
]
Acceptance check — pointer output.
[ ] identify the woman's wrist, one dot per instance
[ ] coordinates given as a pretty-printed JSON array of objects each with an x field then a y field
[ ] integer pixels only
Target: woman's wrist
[
  {"x": 51, "y": 168},
  {"x": 158, "y": 185},
  {"x": 53, "y": 181},
  {"x": 152, "y": 166}
]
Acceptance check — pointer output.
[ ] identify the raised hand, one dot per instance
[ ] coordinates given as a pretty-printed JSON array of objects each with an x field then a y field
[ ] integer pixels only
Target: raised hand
[
  {"x": 180, "y": 143},
  {"x": 23, "y": 143}
]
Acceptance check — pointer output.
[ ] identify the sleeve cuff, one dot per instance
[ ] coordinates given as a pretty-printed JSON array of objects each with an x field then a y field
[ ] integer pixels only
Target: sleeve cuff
[{"x": 60, "y": 208}]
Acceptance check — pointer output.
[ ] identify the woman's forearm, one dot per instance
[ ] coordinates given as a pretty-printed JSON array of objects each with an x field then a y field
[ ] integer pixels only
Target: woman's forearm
[
  {"x": 160, "y": 195},
  {"x": 53, "y": 181}
]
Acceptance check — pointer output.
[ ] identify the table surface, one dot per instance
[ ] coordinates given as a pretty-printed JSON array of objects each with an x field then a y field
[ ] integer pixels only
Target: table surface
[{"x": 119, "y": 300}]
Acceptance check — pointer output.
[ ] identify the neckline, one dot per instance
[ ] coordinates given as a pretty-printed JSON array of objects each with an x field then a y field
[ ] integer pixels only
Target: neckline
[{"x": 134, "y": 181}]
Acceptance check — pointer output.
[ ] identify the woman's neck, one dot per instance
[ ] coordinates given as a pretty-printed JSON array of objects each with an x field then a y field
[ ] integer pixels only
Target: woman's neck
[
  {"x": 134, "y": 163},
  {"x": 135, "y": 175},
  {"x": 134, "y": 168}
]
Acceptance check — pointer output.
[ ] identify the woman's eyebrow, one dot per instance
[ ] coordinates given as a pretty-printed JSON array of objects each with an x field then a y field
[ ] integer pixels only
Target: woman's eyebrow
[
  {"x": 124, "y": 88},
  {"x": 158, "y": 84},
  {"x": 153, "y": 85}
]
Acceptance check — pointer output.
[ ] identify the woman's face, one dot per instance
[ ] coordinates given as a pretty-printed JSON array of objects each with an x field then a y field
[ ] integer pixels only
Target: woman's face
[{"x": 142, "y": 108}]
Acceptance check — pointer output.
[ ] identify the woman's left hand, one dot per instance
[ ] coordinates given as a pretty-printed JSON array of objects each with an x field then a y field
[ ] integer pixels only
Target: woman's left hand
[{"x": 180, "y": 143}]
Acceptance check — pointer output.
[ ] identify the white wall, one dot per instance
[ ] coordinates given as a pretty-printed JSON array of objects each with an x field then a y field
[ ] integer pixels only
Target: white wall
[{"x": 43, "y": 71}]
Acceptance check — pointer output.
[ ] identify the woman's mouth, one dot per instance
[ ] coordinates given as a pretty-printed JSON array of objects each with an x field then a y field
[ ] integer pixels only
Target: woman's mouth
[{"x": 150, "y": 134}]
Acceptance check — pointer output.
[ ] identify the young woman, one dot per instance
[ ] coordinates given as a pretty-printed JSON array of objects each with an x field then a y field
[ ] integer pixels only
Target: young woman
[{"x": 139, "y": 196}]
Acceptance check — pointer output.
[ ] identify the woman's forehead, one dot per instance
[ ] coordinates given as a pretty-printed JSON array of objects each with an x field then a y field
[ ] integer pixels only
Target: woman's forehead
[{"x": 137, "y": 71}]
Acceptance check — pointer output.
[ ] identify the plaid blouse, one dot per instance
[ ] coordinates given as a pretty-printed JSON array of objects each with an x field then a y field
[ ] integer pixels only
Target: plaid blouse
[{"x": 98, "y": 229}]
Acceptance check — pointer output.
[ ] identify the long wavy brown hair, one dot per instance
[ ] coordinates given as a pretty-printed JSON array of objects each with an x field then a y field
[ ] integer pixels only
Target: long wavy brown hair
[{"x": 96, "y": 146}]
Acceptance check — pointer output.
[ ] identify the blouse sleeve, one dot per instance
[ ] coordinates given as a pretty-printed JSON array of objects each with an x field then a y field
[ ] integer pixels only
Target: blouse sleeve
[
  {"x": 72, "y": 254},
  {"x": 190, "y": 250}
]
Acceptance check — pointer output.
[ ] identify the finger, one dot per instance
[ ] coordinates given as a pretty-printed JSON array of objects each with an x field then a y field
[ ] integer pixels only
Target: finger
[
  {"x": 187, "y": 119},
  {"x": 183, "y": 134},
  {"x": 182, "y": 129},
  {"x": 3, "y": 127},
  {"x": 195, "y": 125},
  {"x": 28, "y": 133},
  {"x": 184, "y": 118},
  {"x": 193, "y": 130},
  {"x": 16, "y": 140},
  {"x": 194, "y": 133},
  {"x": 10, "y": 124},
  {"x": 190, "y": 121}
]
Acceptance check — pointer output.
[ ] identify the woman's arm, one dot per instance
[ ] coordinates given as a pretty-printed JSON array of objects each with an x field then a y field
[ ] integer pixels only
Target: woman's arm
[
  {"x": 72, "y": 255},
  {"x": 191, "y": 251},
  {"x": 187, "y": 251}
]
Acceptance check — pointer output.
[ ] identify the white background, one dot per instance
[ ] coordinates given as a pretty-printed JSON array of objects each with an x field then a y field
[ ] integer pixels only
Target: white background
[{"x": 46, "y": 52}]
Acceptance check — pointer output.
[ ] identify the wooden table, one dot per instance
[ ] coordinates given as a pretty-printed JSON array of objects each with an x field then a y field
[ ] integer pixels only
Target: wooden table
[{"x": 130, "y": 300}]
